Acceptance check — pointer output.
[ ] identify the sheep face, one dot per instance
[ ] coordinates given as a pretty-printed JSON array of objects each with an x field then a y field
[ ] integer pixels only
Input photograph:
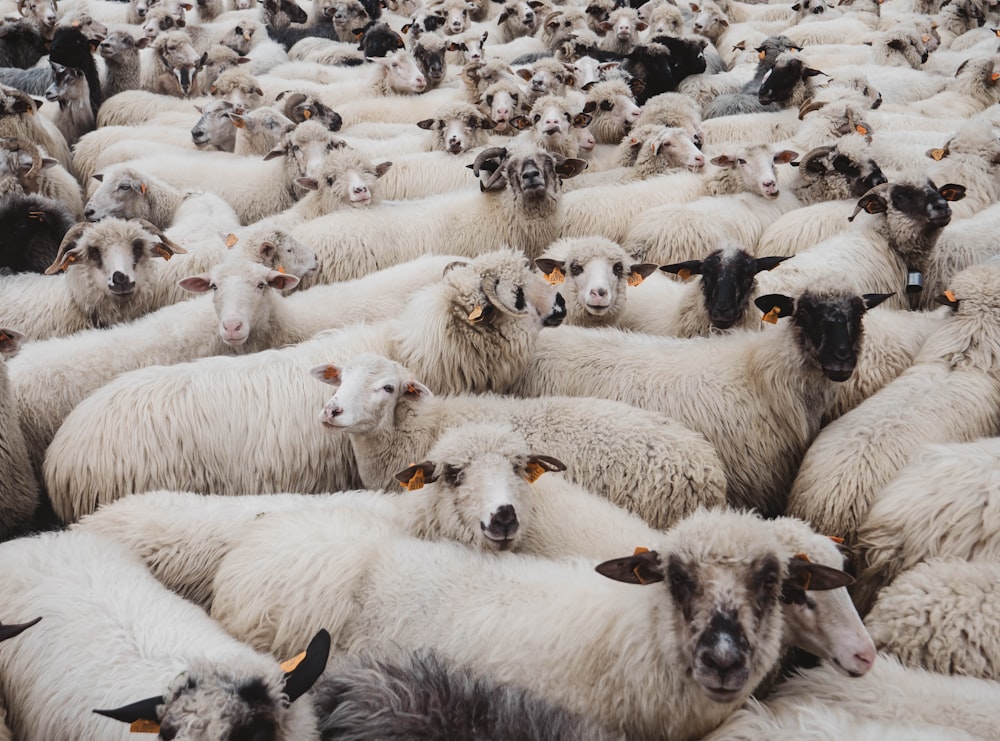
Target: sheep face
[
  {"x": 709, "y": 21},
  {"x": 661, "y": 149},
  {"x": 346, "y": 15},
  {"x": 828, "y": 326},
  {"x": 755, "y": 166},
  {"x": 533, "y": 180},
  {"x": 471, "y": 47},
  {"x": 309, "y": 144},
  {"x": 68, "y": 85},
  {"x": 377, "y": 40},
  {"x": 458, "y": 128},
  {"x": 369, "y": 389},
  {"x": 430, "y": 59},
  {"x": 666, "y": 20},
  {"x": 501, "y": 100},
  {"x": 345, "y": 179},
  {"x": 279, "y": 14},
  {"x": 207, "y": 702},
  {"x": 234, "y": 85},
  {"x": 241, "y": 292},
  {"x": 239, "y": 38},
  {"x": 118, "y": 44},
  {"x": 279, "y": 250},
  {"x": 520, "y": 17},
  {"x": 213, "y": 128},
  {"x": 45, "y": 12},
  {"x": 179, "y": 57},
  {"x": 840, "y": 173},
  {"x": 613, "y": 110},
  {"x": 300, "y": 108},
  {"x": 258, "y": 130},
  {"x": 140, "y": 8},
  {"x": 785, "y": 81},
  {"x": 160, "y": 20},
  {"x": 110, "y": 259},
  {"x": 123, "y": 196},
  {"x": 22, "y": 160},
  {"x": 401, "y": 72},
  {"x": 456, "y": 16}
]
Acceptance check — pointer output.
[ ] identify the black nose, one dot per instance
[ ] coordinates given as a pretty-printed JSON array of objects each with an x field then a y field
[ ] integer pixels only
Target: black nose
[
  {"x": 120, "y": 279},
  {"x": 505, "y": 517},
  {"x": 89, "y": 214}
]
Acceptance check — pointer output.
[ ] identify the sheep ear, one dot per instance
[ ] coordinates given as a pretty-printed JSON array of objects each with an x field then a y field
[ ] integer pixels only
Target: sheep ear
[
  {"x": 382, "y": 168},
  {"x": 768, "y": 263},
  {"x": 65, "y": 256},
  {"x": 307, "y": 670},
  {"x": 643, "y": 567},
  {"x": 580, "y": 120},
  {"x": 571, "y": 167},
  {"x": 281, "y": 281},
  {"x": 636, "y": 86},
  {"x": 804, "y": 575},
  {"x": 947, "y": 299},
  {"x": 723, "y": 160},
  {"x": 554, "y": 270},
  {"x": 329, "y": 374},
  {"x": 427, "y": 123},
  {"x": 486, "y": 123},
  {"x": 524, "y": 74},
  {"x": 196, "y": 283},
  {"x": 415, "y": 390},
  {"x": 871, "y": 203},
  {"x": 639, "y": 272},
  {"x": 48, "y": 162},
  {"x": 137, "y": 711},
  {"x": 952, "y": 192},
  {"x": 9, "y": 631},
  {"x": 785, "y": 156},
  {"x": 142, "y": 43},
  {"x": 774, "y": 305},
  {"x": 683, "y": 270},
  {"x": 520, "y": 123},
  {"x": 414, "y": 477},
  {"x": 539, "y": 464},
  {"x": 165, "y": 247},
  {"x": 874, "y": 299},
  {"x": 307, "y": 183},
  {"x": 280, "y": 152},
  {"x": 10, "y": 343}
]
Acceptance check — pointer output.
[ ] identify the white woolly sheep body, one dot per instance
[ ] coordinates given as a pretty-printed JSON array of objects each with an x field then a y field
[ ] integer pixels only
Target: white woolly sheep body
[
  {"x": 565, "y": 664},
  {"x": 131, "y": 638},
  {"x": 19, "y": 492}
]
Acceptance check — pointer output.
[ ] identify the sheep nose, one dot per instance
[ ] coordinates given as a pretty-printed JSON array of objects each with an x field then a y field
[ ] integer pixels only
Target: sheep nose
[
  {"x": 141, "y": 12},
  {"x": 699, "y": 160},
  {"x": 599, "y": 292},
  {"x": 501, "y": 114},
  {"x": 232, "y": 326},
  {"x": 89, "y": 214},
  {"x": 121, "y": 283},
  {"x": 505, "y": 520},
  {"x": 360, "y": 189}
]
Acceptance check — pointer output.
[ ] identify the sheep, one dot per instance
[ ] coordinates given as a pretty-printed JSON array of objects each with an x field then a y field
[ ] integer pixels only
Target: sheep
[
  {"x": 520, "y": 209},
  {"x": 500, "y": 101},
  {"x": 252, "y": 189},
  {"x": 238, "y": 87},
  {"x": 429, "y": 51},
  {"x": 300, "y": 107},
  {"x": 395, "y": 427},
  {"x": 794, "y": 81},
  {"x": 19, "y": 493},
  {"x": 943, "y": 397},
  {"x": 716, "y": 556},
  {"x": 550, "y": 124},
  {"x": 219, "y": 59},
  {"x": 939, "y": 616},
  {"x": 508, "y": 306},
  {"x": 137, "y": 638},
  {"x": 673, "y": 110},
  {"x": 519, "y": 18},
  {"x": 841, "y": 171},
  {"x": 974, "y": 89},
  {"x": 245, "y": 315},
  {"x": 733, "y": 366},
  {"x": 889, "y": 702},
  {"x": 70, "y": 90},
  {"x": 971, "y": 156},
  {"x": 162, "y": 18},
  {"x": 457, "y": 128},
  {"x": 593, "y": 274},
  {"x": 31, "y": 229},
  {"x": 108, "y": 267},
  {"x": 614, "y": 111},
  {"x": 420, "y": 695},
  {"x": 547, "y": 76},
  {"x": 18, "y": 119},
  {"x": 622, "y": 28},
  {"x": 887, "y": 253},
  {"x": 258, "y": 131},
  {"x": 175, "y": 63},
  {"x": 70, "y": 48},
  {"x": 345, "y": 180},
  {"x": 673, "y": 233},
  {"x": 120, "y": 51},
  {"x": 21, "y": 44},
  {"x": 914, "y": 518}
]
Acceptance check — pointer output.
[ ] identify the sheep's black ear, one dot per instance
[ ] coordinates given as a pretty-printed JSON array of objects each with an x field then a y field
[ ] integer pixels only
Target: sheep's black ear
[
  {"x": 640, "y": 271},
  {"x": 874, "y": 299},
  {"x": 547, "y": 265},
  {"x": 952, "y": 192},
  {"x": 308, "y": 670},
  {"x": 99, "y": 177},
  {"x": 427, "y": 123},
  {"x": 9, "y": 631},
  {"x": 539, "y": 464},
  {"x": 414, "y": 477},
  {"x": 947, "y": 299},
  {"x": 636, "y": 86},
  {"x": 683, "y": 270},
  {"x": 768, "y": 263},
  {"x": 775, "y": 305},
  {"x": 570, "y": 167},
  {"x": 803, "y": 575},
  {"x": 643, "y": 567},
  {"x": 871, "y": 203},
  {"x": 520, "y": 123},
  {"x": 142, "y": 710}
]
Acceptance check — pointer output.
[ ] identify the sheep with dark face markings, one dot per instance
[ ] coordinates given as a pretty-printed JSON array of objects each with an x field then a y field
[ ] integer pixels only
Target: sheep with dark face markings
[
  {"x": 457, "y": 128},
  {"x": 300, "y": 108},
  {"x": 70, "y": 90},
  {"x": 613, "y": 110},
  {"x": 519, "y": 208},
  {"x": 429, "y": 51},
  {"x": 799, "y": 364},
  {"x": 107, "y": 280},
  {"x": 501, "y": 102},
  {"x": 473, "y": 330},
  {"x": 519, "y": 18}
]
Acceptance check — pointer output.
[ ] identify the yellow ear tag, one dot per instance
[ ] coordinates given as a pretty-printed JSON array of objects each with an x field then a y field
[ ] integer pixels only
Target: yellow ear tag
[
  {"x": 925, "y": 38},
  {"x": 163, "y": 252},
  {"x": 231, "y": 239},
  {"x": 937, "y": 154},
  {"x": 950, "y": 296},
  {"x": 761, "y": 56},
  {"x": 995, "y": 76},
  {"x": 290, "y": 664},
  {"x": 684, "y": 274},
  {"x": 307, "y": 114},
  {"x": 863, "y": 130},
  {"x": 416, "y": 480},
  {"x": 639, "y": 549},
  {"x": 533, "y": 472},
  {"x": 75, "y": 24},
  {"x": 556, "y": 277},
  {"x": 771, "y": 317},
  {"x": 144, "y": 726},
  {"x": 476, "y": 315},
  {"x": 634, "y": 279},
  {"x": 68, "y": 260}
]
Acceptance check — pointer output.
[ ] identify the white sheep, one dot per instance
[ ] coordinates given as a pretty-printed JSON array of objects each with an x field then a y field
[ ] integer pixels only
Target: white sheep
[
  {"x": 18, "y": 118},
  {"x": 36, "y": 172},
  {"x": 685, "y": 379},
  {"x": 550, "y": 125},
  {"x": 965, "y": 242},
  {"x": 131, "y": 638},
  {"x": 108, "y": 268},
  {"x": 457, "y": 128},
  {"x": 941, "y": 616},
  {"x": 945, "y": 396},
  {"x": 710, "y": 558},
  {"x": 973, "y": 89},
  {"x": 916, "y": 517},
  {"x": 19, "y": 493},
  {"x": 520, "y": 208},
  {"x": 640, "y": 460},
  {"x": 889, "y": 702},
  {"x": 508, "y": 306}
]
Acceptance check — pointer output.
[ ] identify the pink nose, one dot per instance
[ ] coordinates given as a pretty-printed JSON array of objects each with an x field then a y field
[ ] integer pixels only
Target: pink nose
[
  {"x": 699, "y": 160},
  {"x": 232, "y": 327},
  {"x": 552, "y": 121},
  {"x": 501, "y": 114},
  {"x": 360, "y": 189}
]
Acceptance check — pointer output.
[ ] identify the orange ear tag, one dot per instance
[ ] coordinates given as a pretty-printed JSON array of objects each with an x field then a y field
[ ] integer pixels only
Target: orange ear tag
[
  {"x": 307, "y": 114},
  {"x": 950, "y": 296},
  {"x": 416, "y": 480},
  {"x": 761, "y": 56},
  {"x": 836, "y": 539},
  {"x": 142, "y": 188},
  {"x": 684, "y": 274},
  {"x": 290, "y": 664},
  {"x": 556, "y": 277},
  {"x": 533, "y": 472},
  {"x": 231, "y": 239},
  {"x": 995, "y": 76},
  {"x": 163, "y": 252},
  {"x": 330, "y": 373},
  {"x": 281, "y": 269},
  {"x": 144, "y": 726},
  {"x": 937, "y": 154},
  {"x": 639, "y": 549},
  {"x": 634, "y": 279},
  {"x": 476, "y": 315},
  {"x": 863, "y": 130},
  {"x": 771, "y": 317}
]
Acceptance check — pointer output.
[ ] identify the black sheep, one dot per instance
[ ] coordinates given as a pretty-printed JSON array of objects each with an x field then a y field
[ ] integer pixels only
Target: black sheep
[
  {"x": 70, "y": 48},
  {"x": 31, "y": 229},
  {"x": 21, "y": 45}
]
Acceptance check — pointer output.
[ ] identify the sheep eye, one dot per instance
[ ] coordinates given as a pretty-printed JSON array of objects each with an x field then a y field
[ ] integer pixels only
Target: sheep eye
[
  {"x": 94, "y": 255},
  {"x": 330, "y": 147},
  {"x": 388, "y": 388},
  {"x": 261, "y": 286},
  {"x": 124, "y": 186},
  {"x": 607, "y": 105},
  {"x": 575, "y": 269},
  {"x": 296, "y": 148},
  {"x": 329, "y": 181},
  {"x": 741, "y": 162},
  {"x": 618, "y": 269}
]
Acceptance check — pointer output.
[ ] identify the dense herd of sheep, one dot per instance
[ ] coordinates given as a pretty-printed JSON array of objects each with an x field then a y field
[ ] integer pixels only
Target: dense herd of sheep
[{"x": 293, "y": 443}]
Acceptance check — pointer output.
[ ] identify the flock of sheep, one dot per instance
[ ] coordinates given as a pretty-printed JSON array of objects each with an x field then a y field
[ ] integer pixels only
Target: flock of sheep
[{"x": 514, "y": 370}]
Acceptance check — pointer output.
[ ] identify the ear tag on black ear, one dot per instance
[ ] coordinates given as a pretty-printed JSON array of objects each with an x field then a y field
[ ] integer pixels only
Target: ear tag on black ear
[
  {"x": 555, "y": 277},
  {"x": 476, "y": 315},
  {"x": 144, "y": 726},
  {"x": 683, "y": 273},
  {"x": 771, "y": 317},
  {"x": 416, "y": 480},
  {"x": 914, "y": 281},
  {"x": 951, "y": 297},
  {"x": 290, "y": 664}
]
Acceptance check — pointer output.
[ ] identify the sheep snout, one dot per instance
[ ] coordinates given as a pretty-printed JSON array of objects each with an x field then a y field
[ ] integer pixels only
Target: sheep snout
[
  {"x": 120, "y": 284},
  {"x": 722, "y": 658}
]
